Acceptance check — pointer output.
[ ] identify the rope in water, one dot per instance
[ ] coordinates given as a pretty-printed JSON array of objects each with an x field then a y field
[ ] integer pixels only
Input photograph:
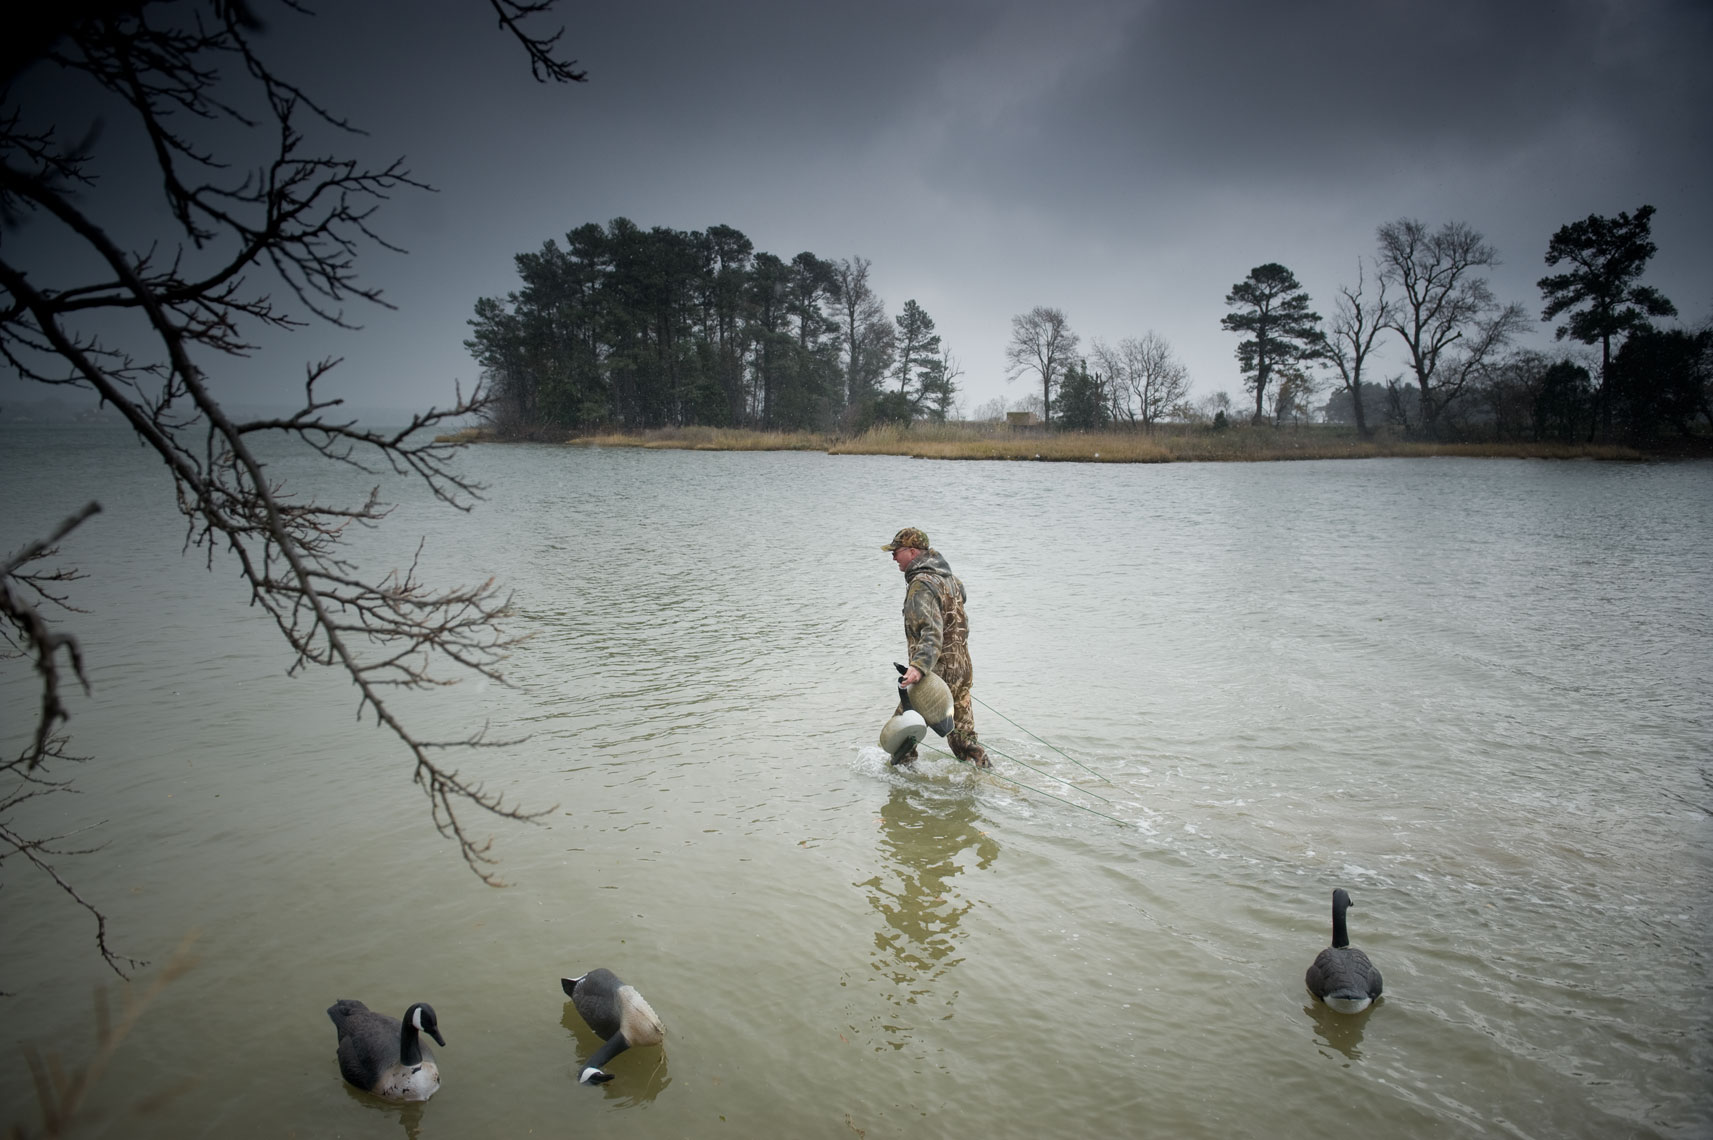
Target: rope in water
[
  {"x": 1024, "y": 763},
  {"x": 1054, "y": 747},
  {"x": 1037, "y": 791}
]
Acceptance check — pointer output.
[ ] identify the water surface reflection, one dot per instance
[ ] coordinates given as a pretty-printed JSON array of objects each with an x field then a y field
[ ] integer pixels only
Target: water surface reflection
[
  {"x": 925, "y": 844},
  {"x": 408, "y": 1113},
  {"x": 1341, "y": 1031},
  {"x": 639, "y": 1075}
]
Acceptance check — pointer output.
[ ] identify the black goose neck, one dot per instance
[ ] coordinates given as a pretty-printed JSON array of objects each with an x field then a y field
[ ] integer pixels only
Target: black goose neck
[{"x": 410, "y": 1043}]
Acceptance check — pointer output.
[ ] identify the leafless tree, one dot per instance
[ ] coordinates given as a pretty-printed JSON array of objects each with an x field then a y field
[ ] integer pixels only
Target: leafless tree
[
  {"x": 250, "y": 246},
  {"x": 1446, "y": 314},
  {"x": 1403, "y": 404},
  {"x": 1291, "y": 395},
  {"x": 944, "y": 396},
  {"x": 1356, "y": 321},
  {"x": 1042, "y": 343},
  {"x": 1109, "y": 367},
  {"x": 1145, "y": 378},
  {"x": 864, "y": 327}
]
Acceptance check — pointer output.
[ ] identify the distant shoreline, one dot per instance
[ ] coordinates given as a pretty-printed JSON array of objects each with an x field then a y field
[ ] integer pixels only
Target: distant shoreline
[{"x": 1174, "y": 444}]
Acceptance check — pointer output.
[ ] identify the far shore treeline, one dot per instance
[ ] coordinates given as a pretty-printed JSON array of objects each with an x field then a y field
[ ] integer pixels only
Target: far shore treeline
[
  {"x": 628, "y": 328},
  {"x": 623, "y": 330}
]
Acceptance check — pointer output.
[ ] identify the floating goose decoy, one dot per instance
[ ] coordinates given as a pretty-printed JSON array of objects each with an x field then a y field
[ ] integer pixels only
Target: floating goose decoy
[
  {"x": 1342, "y": 976},
  {"x": 384, "y": 1056},
  {"x": 616, "y": 1012}
]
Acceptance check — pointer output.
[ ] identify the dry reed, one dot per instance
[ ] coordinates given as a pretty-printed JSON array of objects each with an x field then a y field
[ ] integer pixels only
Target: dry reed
[
  {"x": 1185, "y": 444},
  {"x": 61, "y": 1092},
  {"x": 708, "y": 439},
  {"x": 1170, "y": 444}
]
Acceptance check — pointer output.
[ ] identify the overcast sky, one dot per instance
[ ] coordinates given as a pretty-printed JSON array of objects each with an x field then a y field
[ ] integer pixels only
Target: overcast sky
[{"x": 1125, "y": 162}]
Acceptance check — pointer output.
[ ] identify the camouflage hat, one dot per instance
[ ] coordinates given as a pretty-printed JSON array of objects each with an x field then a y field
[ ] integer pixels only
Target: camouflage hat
[{"x": 909, "y": 536}]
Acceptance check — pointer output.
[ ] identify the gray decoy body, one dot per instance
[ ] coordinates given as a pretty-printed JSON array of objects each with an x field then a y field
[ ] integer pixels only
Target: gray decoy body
[
  {"x": 1342, "y": 976},
  {"x": 616, "y": 1012},
  {"x": 386, "y": 1056},
  {"x": 931, "y": 697}
]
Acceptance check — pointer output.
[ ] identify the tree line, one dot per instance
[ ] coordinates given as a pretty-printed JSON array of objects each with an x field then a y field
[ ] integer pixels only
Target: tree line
[
  {"x": 633, "y": 328},
  {"x": 1429, "y": 295},
  {"x": 1425, "y": 291}
]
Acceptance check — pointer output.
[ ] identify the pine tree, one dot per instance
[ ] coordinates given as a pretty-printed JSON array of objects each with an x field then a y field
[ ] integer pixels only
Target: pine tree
[
  {"x": 1282, "y": 330},
  {"x": 1608, "y": 255},
  {"x": 917, "y": 354}
]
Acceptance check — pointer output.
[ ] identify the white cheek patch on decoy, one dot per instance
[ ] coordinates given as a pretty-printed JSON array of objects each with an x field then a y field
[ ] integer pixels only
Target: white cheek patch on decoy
[{"x": 416, "y": 1019}]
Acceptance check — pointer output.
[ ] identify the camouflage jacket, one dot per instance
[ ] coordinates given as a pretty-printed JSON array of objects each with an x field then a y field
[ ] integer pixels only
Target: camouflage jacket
[{"x": 934, "y": 618}]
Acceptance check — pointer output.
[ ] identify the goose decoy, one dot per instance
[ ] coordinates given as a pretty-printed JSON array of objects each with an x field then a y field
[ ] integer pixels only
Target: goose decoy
[
  {"x": 383, "y": 1055},
  {"x": 930, "y": 696},
  {"x": 1342, "y": 976},
  {"x": 616, "y": 1012}
]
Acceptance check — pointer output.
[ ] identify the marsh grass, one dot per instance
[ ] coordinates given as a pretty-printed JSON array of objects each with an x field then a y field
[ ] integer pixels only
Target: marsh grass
[
  {"x": 1171, "y": 444},
  {"x": 709, "y": 439},
  {"x": 466, "y": 435}
]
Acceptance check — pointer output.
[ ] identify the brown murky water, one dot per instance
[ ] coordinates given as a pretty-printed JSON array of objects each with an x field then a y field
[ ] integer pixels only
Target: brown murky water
[{"x": 1473, "y": 693}]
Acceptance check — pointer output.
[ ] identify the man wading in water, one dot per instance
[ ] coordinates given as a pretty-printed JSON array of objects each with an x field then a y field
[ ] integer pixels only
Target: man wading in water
[{"x": 938, "y": 634}]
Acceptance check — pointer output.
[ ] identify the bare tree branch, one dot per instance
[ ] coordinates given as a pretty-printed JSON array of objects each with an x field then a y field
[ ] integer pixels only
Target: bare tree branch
[
  {"x": 543, "y": 64},
  {"x": 184, "y": 74},
  {"x": 1356, "y": 322},
  {"x": 28, "y": 631},
  {"x": 1444, "y": 311},
  {"x": 1041, "y": 342},
  {"x": 1147, "y": 380}
]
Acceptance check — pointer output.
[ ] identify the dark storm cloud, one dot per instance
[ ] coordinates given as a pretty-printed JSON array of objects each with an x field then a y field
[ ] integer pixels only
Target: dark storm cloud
[
  {"x": 1124, "y": 161},
  {"x": 1294, "y": 94}
]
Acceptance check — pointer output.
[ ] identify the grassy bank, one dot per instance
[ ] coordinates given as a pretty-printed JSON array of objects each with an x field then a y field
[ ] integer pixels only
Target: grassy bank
[
  {"x": 1175, "y": 444},
  {"x": 709, "y": 439},
  {"x": 1179, "y": 444}
]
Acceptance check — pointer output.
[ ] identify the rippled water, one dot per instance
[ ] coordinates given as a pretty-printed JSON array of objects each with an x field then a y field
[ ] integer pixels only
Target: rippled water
[{"x": 1474, "y": 693}]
